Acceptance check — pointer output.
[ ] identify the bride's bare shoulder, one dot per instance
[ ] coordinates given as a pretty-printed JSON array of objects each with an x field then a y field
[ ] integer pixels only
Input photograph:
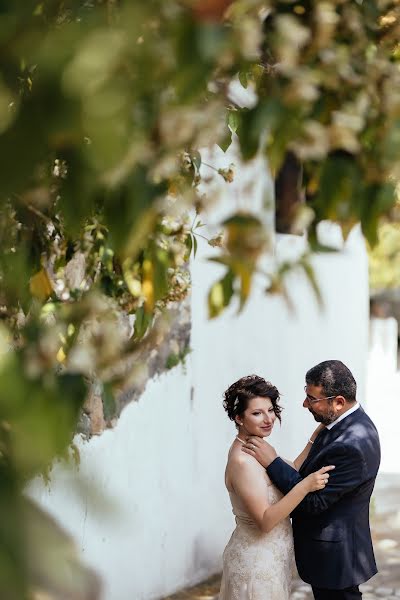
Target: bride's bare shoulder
[
  {"x": 242, "y": 467},
  {"x": 239, "y": 460}
]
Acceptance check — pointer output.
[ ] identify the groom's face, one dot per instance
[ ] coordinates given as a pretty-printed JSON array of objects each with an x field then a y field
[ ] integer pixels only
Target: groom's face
[{"x": 321, "y": 407}]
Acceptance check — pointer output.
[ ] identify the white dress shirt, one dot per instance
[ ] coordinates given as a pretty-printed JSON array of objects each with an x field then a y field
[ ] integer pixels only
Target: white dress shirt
[{"x": 344, "y": 415}]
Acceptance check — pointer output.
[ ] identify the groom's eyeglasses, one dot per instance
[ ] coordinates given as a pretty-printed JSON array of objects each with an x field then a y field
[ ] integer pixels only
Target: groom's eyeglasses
[{"x": 313, "y": 400}]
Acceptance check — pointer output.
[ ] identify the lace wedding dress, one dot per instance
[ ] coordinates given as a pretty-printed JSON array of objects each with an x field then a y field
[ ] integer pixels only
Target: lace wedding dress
[{"x": 257, "y": 565}]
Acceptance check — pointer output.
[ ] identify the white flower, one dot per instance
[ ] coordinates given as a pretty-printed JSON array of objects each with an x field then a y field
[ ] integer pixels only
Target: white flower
[
  {"x": 293, "y": 36},
  {"x": 314, "y": 144},
  {"x": 326, "y": 19}
]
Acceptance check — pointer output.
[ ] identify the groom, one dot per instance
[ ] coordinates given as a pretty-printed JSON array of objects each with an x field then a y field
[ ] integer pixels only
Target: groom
[{"x": 331, "y": 531}]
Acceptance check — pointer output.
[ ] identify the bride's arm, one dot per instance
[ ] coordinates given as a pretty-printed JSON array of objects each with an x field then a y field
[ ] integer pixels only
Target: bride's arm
[
  {"x": 249, "y": 484},
  {"x": 304, "y": 453}
]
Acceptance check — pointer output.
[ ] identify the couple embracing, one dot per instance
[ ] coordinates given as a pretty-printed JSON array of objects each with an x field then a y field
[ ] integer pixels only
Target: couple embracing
[{"x": 326, "y": 491}]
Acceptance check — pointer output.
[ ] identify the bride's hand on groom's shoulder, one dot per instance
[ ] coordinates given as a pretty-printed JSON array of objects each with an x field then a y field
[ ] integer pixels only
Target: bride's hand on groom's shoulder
[{"x": 260, "y": 449}]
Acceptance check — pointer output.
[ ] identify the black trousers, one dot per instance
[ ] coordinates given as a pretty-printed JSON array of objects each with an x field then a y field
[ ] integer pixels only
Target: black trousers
[{"x": 351, "y": 593}]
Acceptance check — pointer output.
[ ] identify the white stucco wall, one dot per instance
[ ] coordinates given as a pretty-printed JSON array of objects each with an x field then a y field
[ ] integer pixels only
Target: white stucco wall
[
  {"x": 383, "y": 389},
  {"x": 147, "y": 506}
]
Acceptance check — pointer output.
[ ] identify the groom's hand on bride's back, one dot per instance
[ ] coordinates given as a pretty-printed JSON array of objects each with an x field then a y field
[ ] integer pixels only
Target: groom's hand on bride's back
[{"x": 260, "y": 449}]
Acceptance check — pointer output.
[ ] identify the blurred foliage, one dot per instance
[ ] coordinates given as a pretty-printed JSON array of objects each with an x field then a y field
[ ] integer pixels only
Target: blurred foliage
[
  {"x": 104, "y": 106},
  {"x": 328, "y": 93},
  {"x": 384, "y": 259}
]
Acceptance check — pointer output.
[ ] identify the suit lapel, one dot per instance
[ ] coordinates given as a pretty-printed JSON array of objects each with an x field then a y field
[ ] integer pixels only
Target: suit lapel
[{"x": 327, "y": 436}]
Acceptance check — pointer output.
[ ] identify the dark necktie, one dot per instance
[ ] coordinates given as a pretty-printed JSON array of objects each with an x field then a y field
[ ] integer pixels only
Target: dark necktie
[
  {"x": 318, "y": 443},
  {"x": 321, "y": 437}
]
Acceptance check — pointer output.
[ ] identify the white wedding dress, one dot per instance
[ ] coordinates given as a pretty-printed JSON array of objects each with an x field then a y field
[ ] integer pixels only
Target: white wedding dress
[{"x": 256, "y": 565}]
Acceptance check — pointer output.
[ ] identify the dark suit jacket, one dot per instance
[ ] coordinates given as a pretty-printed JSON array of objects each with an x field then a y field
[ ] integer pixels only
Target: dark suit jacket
[{"x": 331, "y": 531}]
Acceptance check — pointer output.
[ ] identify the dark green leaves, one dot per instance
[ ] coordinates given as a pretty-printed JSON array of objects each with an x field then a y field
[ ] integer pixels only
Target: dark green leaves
[{"x": 40, "y": 419}]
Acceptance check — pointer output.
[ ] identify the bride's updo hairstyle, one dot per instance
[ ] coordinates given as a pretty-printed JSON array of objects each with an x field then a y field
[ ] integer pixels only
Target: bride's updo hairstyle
[{"x": 237, "y": 396}]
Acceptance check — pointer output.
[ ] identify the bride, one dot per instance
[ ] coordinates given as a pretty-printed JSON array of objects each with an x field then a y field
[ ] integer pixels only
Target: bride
[{"x": 258, "y": 560}]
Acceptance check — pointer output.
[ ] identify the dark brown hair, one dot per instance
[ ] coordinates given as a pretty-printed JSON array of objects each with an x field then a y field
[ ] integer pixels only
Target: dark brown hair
[
  {"x": 335, "y": 378},
  {"x": 237, "y": 396}
]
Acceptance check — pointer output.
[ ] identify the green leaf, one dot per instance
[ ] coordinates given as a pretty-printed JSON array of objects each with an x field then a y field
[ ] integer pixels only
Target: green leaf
[
  {"x": 378, "y": 200},
  {"x": 243, "y": 78},
  {"x": 245, "y": 275},
  {"x": 194, "y": 246},
  {"x": 311, "y": 277},
  {"x": 172, "y": 361},
  {"x": 142, "y": 322},
  {"x": 42, "y": 417},
  {"x": 189, "y": 244},
  {"x": 226, "y": 142},
  {"x": 255, "y": 122},
  {"x": 161, "y": 264},
  {"x": 196, "y": 159},
  {"x": 135, "y": 198},
  {"x": 233, "y": 120},
  {"x": 220, "y": 294},
  {"x": 339, "y": 189}
]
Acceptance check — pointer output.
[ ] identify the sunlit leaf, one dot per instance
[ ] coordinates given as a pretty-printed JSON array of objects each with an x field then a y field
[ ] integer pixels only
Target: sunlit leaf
[
  {"x": 220, "y": 294},
  {"x": 245, "y": 275},
  {"x": 40, "y": 285}
]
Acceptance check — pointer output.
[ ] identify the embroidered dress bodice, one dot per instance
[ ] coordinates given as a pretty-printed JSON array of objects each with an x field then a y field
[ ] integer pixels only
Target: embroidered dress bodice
[{"x": 257, "y": 565}]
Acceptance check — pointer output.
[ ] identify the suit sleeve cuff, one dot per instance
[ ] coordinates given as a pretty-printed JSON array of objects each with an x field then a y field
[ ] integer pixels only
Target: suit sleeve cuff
[{"x": 283, "y": 475}]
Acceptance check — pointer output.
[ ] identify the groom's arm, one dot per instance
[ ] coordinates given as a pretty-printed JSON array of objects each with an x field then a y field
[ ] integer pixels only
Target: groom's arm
[
  {"x": 283, "y": 475},
  {"x": 349, "y": 473}
]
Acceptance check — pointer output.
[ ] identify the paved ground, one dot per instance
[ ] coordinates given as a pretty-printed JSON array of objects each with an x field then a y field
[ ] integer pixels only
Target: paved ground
[{"x": 386, "y": 533}]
